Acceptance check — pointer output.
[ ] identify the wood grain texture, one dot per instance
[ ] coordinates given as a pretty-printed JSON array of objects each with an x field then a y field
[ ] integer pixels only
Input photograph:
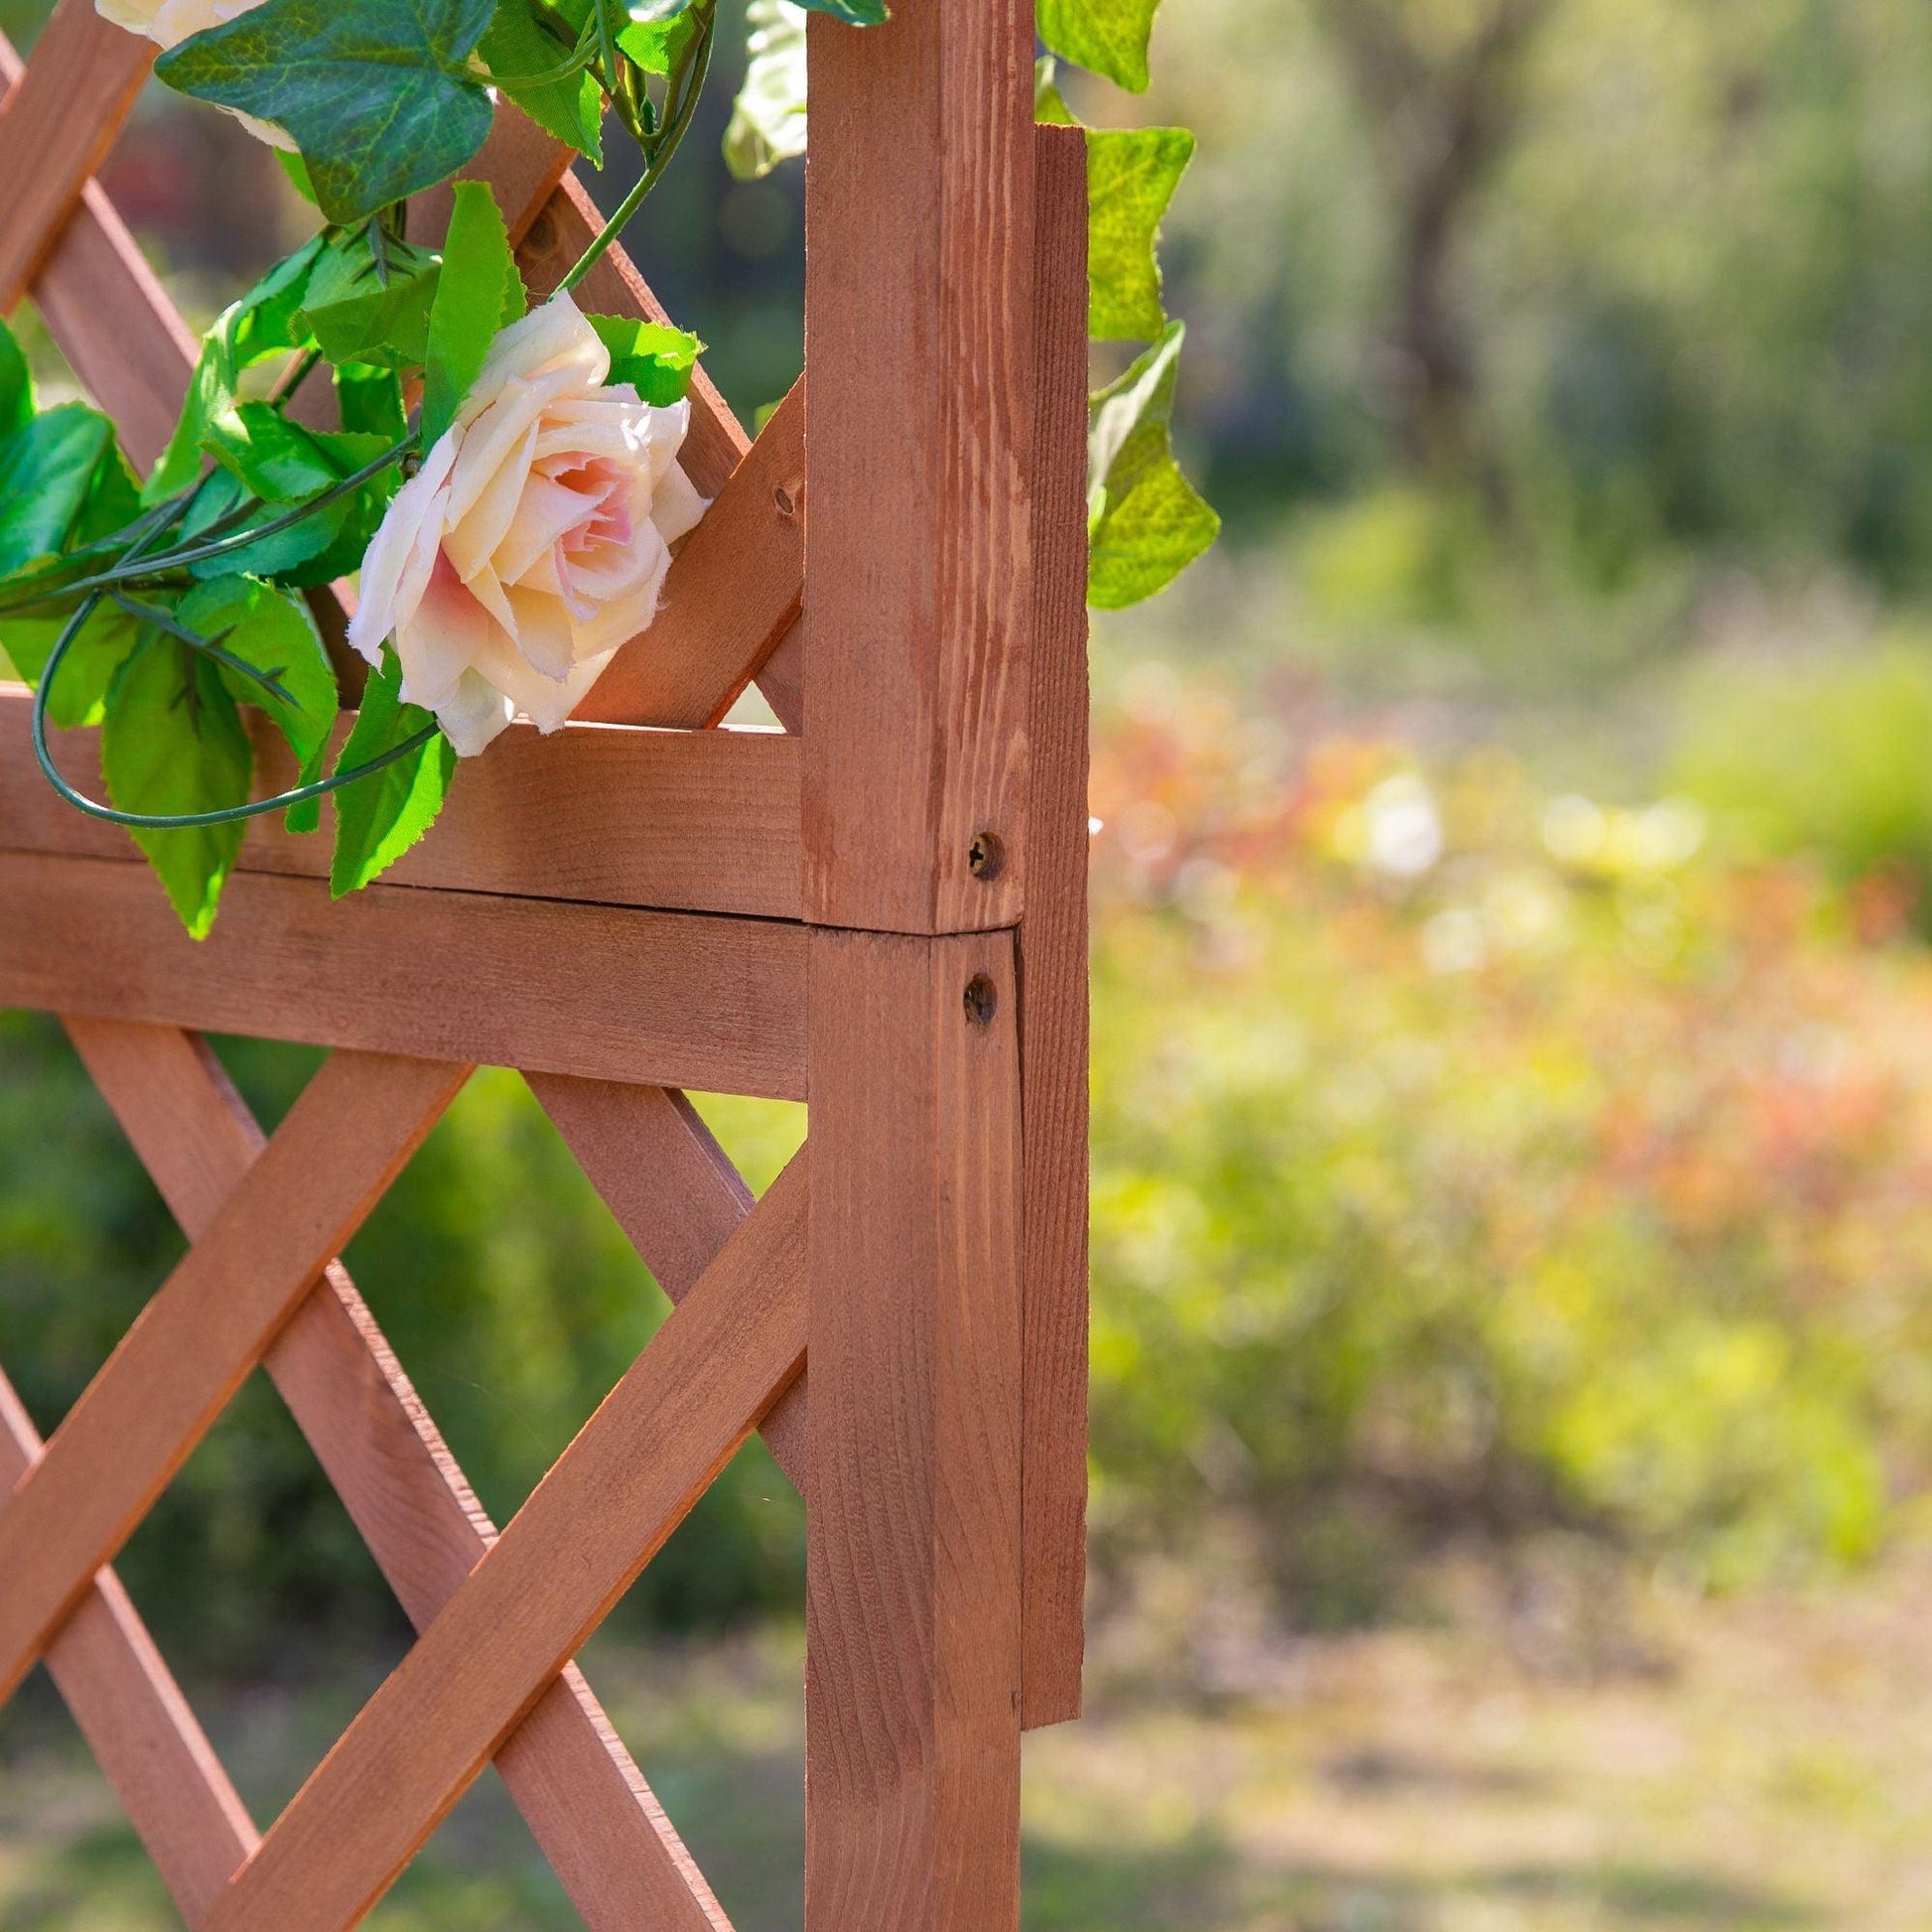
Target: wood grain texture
[
  {"x": 1053, "y": 952},
  {"x": 130, "y": 1710},
  {"x": 342, "y": 1143},
  {"x": 912, "y": 1580},
  {"x": 918, "y": 560},
  {"x": 56, "y": 127},
  {"x": 674, "y": 1191},
  {"x": 632, "y": 1473},
  {"x": 731, "y": 595},
  {"x": 703, "y": 822},
  {"x": 591, "y": 1811},
  {"x": 523, "y": 164},
  {"x": 667, "y": 999}
]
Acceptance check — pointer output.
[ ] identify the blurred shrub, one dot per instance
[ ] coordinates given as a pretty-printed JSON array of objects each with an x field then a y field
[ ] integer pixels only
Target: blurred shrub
[
  {"x": 1467, "y": 1164},
  {"x": 1826, "y": 760}
]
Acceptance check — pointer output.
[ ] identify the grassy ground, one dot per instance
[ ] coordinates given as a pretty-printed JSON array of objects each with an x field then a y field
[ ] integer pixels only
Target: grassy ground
[{"x": 1737, "y": 1767}]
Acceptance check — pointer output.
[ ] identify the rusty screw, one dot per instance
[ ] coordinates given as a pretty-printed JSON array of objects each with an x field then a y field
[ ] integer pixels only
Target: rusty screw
[{"x": 985, "y": 856}]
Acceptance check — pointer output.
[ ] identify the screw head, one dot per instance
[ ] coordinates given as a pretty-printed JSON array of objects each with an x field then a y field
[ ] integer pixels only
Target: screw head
[
  {"x": 986, "y": 857},
  {"x": 982, "y": 999},
  {"x": 786, "y": 502}
]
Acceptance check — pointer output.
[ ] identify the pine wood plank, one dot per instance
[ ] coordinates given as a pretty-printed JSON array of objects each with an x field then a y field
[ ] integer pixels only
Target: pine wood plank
[
  {"x": 588, "y": 1806},
  {"x": 919, "y": 567},
  {"x": 55, "y": 129},
  {"x": 673, "y": 1189},
  {"x": 640, "y": 1464},
  {"x": 731, "y": 594},
  {"x": 345, "y": 1139},
  {"x": 665, "y": 999},
  {"x": 704, "y": 822},
  {"x": 130, "y": 1710},
  {"x": 913, "y": 1583},
  {"x": 1053, "y": 952}
]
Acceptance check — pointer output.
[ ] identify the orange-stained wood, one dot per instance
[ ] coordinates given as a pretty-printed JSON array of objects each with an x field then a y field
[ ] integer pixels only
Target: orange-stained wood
[
  {"x": 56, "y": 127},
  {"x": 344, "y": 1140},
  {"x": 673, "y": 1189},
  {"x": 918, "y": 338},
  {"x": 1053, "y": 952},
  {"x": 704, "y": 822},
  {"x": 137, "y": 1724},
  {"x": 912, "y": 1578},
  {"x": 599, "y": 1823},
  {"x": 667, "y": 998},
  {"x": 632, "y": 1473},
  {"x": 730, "y": 596}
]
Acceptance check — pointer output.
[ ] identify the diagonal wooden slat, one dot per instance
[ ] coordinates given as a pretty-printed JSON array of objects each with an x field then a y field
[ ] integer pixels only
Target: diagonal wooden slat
[
  {"x": 639, "y": 1464},
  {"x": 345, "y": 1139},
  {"x": 58, "y": 128},
  {"x": 591, "y": 1811},
  {"x": 674, "y": 1191},
  {"x": 135, "y": 1720}
]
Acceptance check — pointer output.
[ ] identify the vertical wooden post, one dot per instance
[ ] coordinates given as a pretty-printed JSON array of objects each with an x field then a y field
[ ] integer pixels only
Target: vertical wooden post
[
  {"x": 920, "y": 322},
  {"x": 918, "y": 334}
]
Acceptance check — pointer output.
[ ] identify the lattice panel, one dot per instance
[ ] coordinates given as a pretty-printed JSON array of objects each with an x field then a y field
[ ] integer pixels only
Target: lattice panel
[{"x": 618, "y": 914}]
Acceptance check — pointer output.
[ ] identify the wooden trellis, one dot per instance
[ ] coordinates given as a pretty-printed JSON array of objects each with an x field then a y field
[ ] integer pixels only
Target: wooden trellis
[{"x": 880, "y": 912}]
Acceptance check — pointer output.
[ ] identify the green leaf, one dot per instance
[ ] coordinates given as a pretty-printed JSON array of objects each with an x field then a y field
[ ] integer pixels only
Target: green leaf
[
  {"x": 379, "y": 818},
  {"x": 173, "y": 741},
  {"x": 655, "y": 357},
  {"x": 769, "y": 122},
  {"x": 16, "y": 385},
  {"x": 656, "y": 42},
  {"x": 1050, "y": 104},
  {"x": 1132, "y": 176},
  {"x": 514, "y": 47},
  {"x": 274, "y": 633},
  {"x": 262, "y": 323},
  {"x": 48, "y": 471},
  {"x": 281, "y": 461},
  {"x": 297, "y": 171},
  {"x": 477, "y": 292},
  {"x": 370, "y": 401},
  {"x": 1107, "y": 37},
  {"x": 87, "y": 671},
  {"x": 366, "y": 306},
  {"x": 379, "y": 94},
  {"x": 1145, "y": 523}
]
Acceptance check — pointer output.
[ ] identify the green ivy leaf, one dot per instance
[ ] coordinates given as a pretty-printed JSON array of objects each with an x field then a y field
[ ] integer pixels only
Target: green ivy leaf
[
  {"x": 16, "y": 385},
  {"x": 655, "y": 359},
  {"x": 477, "y": 292},
  {"x": 87, "y": 671},
  {"x": 48, "y": 468},
  {"x": 262, "y": 323},
  {"x": 1050, "y": 104},
  {"x": 1146, "y": 524},
  {"x": 370, "y": 401},
  {"x": 1107, "y": 37},
  {"x": 768, "y": 122},
  {"x": 379, "y": 94},
  {"x": 173, "y": 741},
  {"x": 1132, "y": 175},
  {"x": 514, "y": 47},
  {"x": 274, "y": 633},
  {"x": 379, "y": 818},
  {"x": 361, "y": 306}
]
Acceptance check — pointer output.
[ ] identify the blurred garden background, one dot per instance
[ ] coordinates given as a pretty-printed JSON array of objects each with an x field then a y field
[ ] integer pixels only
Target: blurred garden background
[{"x": 1513, "y": 1049}]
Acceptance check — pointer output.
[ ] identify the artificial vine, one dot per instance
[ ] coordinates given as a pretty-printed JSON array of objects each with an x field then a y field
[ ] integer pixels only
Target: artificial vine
[{"x": 503, "y": 483}]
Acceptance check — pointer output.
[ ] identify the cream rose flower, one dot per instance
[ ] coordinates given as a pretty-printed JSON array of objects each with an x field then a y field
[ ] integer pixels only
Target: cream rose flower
[
  {"x": 170, "y": 22},
  {"x": 534, "y": 539}
]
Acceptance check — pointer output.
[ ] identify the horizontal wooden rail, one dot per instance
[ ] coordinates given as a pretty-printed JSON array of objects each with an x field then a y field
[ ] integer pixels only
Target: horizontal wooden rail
[
  {"x": 684, "y": 821},
  {"x": 669, "y": 999}
]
